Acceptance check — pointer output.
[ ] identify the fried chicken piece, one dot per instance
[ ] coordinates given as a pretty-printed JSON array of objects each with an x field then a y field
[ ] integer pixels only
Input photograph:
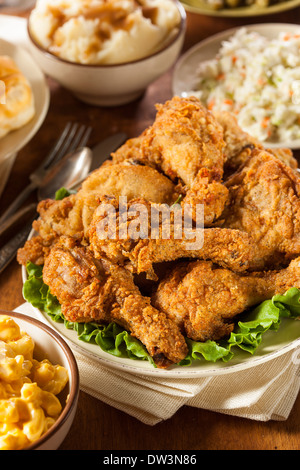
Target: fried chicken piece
[
  {"x": 286, "y": 156},
  {"x": 72, "y": 215},
  {"x": 149, "y": 234},
  {"x": 57, "y": 218},
  {"x": 129, "y": 179},
  {"x": 203, "y": 299},
  {"x": 186, "y": 143},
  {"x": 239, "y": 144},
  {"x": 35, "y": 250},
  {"x": 264, "y": 201},
  {"x": 54, "y": 221},
  {"x": 96, "y": 290}
]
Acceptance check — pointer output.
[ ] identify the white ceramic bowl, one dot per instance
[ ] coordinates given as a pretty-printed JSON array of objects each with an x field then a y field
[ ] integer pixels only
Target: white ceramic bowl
[
  {"x": 50, "y": 345},
  {"x": 110, "y": 85}
]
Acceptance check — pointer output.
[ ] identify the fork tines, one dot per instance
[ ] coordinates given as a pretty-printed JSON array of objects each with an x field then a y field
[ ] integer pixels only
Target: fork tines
[{"x": 74, "y": 135}]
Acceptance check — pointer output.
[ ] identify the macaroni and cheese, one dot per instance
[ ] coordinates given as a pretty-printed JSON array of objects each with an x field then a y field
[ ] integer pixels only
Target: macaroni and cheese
[{"x": 29, "y": 405}]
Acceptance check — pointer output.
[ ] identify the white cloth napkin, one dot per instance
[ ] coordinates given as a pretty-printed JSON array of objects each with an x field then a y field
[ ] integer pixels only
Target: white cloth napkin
[{"x": 263, "y": 392}]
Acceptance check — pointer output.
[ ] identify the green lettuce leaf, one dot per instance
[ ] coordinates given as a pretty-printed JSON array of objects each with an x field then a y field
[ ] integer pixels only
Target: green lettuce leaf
[
  {"x": 114, "y": 340},
  {"x": 248, "y": 335},
  {"x": 62, "y": 193}
]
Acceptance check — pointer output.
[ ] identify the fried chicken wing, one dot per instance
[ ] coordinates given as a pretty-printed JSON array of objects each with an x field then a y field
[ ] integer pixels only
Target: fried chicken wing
[
  {"x": 118, "y": 240},
  {"x": 203, "y": 299},
  {"x": 55, "y": 220},
  {"x": 186, "y": 143},
  {"x": 96, "y": 290},
  {"x": 264, "y": 201}
]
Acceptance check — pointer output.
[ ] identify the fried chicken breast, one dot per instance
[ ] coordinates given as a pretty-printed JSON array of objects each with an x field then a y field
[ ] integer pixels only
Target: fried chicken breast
[{"x": 264, "y": 202}]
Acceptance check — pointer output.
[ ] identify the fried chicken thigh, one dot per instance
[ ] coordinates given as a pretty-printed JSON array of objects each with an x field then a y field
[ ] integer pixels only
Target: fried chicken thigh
[
  {"x": 96, "y": 290},
  {"x": 203, "y": 299},
  {"x": 186, "y": 143},
  {"x": 264, "y": 202}
]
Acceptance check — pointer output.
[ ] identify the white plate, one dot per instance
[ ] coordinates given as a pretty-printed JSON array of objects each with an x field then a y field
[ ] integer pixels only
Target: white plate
[
  {"x": 14, "y": 29},
  {"x": 15, "y": 140},
  {"x": 274, "y": 344},
  {"x": 185, "y": 78}
]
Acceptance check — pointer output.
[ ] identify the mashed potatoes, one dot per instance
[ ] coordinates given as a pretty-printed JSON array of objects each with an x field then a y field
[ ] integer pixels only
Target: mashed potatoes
[{"x": 103, "y": 31}]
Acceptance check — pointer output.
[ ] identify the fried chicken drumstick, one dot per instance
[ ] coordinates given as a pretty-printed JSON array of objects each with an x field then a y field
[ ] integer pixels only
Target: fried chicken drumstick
[
  {"x": 96, "y": 290},
  {"x": 204, "y": 299},
  {"x": 230, "y": 248}
]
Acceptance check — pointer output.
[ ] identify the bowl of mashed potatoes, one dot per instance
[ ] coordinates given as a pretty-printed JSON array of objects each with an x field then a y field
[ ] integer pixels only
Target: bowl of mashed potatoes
[
  {"x": 39, "y": 384},
  {"x": 106, "y": 52}
]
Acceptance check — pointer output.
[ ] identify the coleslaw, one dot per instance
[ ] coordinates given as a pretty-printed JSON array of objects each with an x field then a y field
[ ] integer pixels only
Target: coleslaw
[{"x": 258, "y": 80}]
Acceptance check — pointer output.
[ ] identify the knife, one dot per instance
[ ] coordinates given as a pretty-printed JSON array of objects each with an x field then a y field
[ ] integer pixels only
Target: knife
[
  {"x": 8, "y": 250},
  {"x": 14, "y": 233},
  {"x": 103, "y": 150}
]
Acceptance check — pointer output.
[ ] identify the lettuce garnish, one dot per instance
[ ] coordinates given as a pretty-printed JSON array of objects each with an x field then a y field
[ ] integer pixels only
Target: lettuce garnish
[
  {"x": 114, "y": 340},
  {"x": 248, "y": 335}
]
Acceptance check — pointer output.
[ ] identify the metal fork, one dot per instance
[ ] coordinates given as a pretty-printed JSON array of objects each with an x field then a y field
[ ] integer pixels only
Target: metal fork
[{"x": 74, "y": 135}]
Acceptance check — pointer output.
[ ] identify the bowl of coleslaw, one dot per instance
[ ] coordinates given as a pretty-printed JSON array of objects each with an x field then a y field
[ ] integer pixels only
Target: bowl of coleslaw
[
  {"x": 252, "y": 72},
  {"x": 39, "y": 384}
]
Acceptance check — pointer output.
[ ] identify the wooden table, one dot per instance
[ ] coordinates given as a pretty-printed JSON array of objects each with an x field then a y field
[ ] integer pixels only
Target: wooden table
[{"x": 98, "y": 426}]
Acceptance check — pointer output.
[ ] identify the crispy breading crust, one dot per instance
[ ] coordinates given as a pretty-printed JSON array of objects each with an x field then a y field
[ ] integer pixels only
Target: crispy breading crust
[
  {"x": 230, "y": 248},
  {"x": 204, "y": 299},
  {"x": 91, "y": 290},
  {"x": 186, "y": 143}
]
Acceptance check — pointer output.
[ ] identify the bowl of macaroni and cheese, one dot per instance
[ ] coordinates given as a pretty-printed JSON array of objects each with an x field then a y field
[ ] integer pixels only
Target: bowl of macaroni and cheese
[
  {"x": 106, "y": 52},
  {"x": 39, "y": 385}
]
